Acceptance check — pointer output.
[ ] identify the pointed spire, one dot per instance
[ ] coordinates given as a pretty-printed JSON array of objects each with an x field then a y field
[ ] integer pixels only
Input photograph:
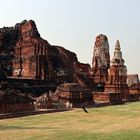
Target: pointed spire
[
  {"x": 117, "y": 58},
  {"x": 117, "y": 45}
]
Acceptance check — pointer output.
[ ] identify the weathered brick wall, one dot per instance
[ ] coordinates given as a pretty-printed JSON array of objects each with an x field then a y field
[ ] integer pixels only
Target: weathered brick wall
[
  {"x": 36, "y": 58},
  {"x": 8, "y": 108}
]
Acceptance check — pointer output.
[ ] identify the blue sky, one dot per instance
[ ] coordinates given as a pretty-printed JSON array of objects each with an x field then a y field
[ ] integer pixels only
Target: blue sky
[{"x": 74, "y": 24}]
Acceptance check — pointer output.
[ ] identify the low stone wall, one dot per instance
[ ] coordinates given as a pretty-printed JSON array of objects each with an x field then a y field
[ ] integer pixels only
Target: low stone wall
[
  {"x": 110, "y": 98},
  {"x": 134, "y": 97},
  {"x": 100, "y": 97},
  {"x": 8, "y": 108}
]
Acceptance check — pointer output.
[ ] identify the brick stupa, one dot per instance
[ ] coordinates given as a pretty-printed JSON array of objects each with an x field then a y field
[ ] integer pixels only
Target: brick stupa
[{"x": 117, "y": 76}]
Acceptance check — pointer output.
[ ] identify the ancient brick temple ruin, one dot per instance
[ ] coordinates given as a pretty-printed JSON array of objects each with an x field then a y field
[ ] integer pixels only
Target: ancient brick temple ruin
[
  {"x": 32, "y": 68},
  {"x": 29, "y": 63},
  {"x": 110, "y": 78},
  {"x": 134, "y": 87}
]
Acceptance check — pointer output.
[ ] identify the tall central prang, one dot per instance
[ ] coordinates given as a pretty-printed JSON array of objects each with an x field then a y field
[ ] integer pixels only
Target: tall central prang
[{"x": 101, "y": 59}]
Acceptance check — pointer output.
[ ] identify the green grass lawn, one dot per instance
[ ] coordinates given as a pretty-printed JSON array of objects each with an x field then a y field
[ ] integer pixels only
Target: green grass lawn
[{"x": 121, "y": 122}]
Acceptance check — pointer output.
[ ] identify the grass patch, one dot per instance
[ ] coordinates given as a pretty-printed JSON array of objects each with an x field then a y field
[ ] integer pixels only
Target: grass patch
[{"x": 120, "y": 122}]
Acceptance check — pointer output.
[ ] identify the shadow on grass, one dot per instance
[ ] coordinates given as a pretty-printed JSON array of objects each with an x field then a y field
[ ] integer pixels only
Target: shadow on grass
[
  {"x": 3, "y": 128},
  {"x": 30, "y": 113}
]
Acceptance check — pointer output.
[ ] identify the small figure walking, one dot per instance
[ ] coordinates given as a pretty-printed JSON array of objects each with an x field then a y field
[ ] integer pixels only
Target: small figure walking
[{"x": 83, "y": 107}]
